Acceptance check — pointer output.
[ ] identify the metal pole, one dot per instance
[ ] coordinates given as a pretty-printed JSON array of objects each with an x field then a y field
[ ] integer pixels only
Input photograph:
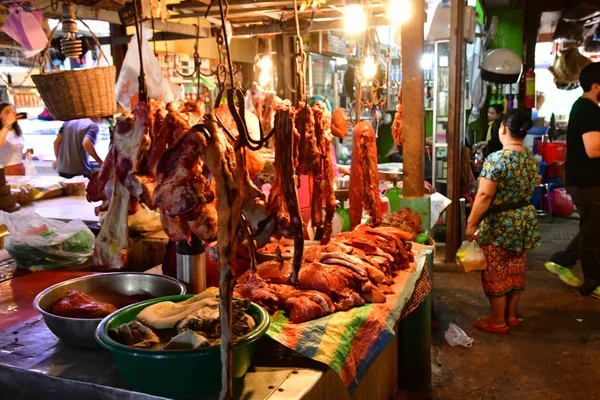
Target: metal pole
[
  {"x": 455, "y": 97},
  {"x": 413, "y": 141}
]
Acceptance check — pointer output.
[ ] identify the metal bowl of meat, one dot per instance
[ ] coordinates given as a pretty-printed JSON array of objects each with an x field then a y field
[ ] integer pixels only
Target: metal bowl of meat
[{"x": 73, "y": 309}]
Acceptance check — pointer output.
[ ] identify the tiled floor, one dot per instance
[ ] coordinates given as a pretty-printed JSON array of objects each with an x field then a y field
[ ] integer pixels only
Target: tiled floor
[{"x": 555, "y": 354}]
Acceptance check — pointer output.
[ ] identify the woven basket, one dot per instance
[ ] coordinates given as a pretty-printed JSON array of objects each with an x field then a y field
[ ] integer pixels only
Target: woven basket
[{"x": 85, "y": 93}]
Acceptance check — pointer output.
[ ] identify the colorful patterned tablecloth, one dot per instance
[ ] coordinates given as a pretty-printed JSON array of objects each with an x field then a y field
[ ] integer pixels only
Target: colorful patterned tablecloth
[{"x": 350, "y": 341}]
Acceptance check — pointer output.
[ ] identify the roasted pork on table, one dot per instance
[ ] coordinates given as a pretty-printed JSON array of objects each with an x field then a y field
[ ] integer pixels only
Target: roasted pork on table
[{"x": 352, "y": 269}]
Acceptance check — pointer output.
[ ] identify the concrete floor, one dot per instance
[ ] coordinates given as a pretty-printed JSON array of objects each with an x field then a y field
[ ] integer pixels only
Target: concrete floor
[{"x": 555, "y": 354}]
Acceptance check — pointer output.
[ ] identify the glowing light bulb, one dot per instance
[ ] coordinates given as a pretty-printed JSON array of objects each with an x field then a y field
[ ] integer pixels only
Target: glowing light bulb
[
  {"x": 427, "y": 61},
  {"x": 265, "y": 63},
  {"x": 355, "y": 19},
  {"x": 264, "y": 78},
  {"x": 398, "y": 11},
  {"x": 369, "y": 68}
]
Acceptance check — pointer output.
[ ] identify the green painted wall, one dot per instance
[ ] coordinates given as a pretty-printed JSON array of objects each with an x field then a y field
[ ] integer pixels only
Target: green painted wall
[
  {"x": 428, "y": 124},
  {"x": 511, "y": 27},
  {"x": 479, "y": 9}
]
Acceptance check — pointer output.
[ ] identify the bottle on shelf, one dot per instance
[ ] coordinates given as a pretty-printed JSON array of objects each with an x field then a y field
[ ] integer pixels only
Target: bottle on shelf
[
  {"x": 505, "y": 103},
  {"x": 393, "y": 194},
  {"x": 493, "y": 97},
  {"x": 342, "y": 211}
]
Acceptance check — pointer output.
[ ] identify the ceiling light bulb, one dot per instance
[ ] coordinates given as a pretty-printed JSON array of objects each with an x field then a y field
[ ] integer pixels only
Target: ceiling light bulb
[
  {"x": 398, "y": 11},
  {"x": 427, "y": 61},
  {"x": 355, "y": 19},
  {"x": 265, "y": 63},
  {"x": 369, "y": 67},
  {"x": 264, "y": 78}
]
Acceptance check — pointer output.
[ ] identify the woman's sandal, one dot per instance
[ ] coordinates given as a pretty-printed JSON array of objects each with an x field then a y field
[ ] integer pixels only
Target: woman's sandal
[
  {"x": 485, "y": 324},
  {"x": 514, "y": 323}
]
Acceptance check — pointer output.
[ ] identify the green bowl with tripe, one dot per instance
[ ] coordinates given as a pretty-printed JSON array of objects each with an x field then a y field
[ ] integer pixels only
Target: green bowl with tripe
[{"x": 180, "y": 374}]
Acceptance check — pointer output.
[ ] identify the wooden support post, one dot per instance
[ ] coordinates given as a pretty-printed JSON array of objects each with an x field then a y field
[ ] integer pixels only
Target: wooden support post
[
  {"x": 457, "y": 46},
  {"x": 532, "y": 26},
  {"x": 117, "y": 51},
  {"x": 413, "y": 140}
]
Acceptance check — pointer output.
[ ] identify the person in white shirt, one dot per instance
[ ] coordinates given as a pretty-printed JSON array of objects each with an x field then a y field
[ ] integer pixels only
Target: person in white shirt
[{"x": 11, "y": 141}]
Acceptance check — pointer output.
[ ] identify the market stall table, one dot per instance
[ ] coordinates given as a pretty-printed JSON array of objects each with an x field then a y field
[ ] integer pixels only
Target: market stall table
[
  {"x": 65, "y": 208},
  {"x": 146, "y": 250},
  {"x": 35, "y": 364}
]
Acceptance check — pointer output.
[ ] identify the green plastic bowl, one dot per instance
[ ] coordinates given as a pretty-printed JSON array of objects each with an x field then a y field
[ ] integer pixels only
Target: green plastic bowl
[{"x": 177, "y": 374}]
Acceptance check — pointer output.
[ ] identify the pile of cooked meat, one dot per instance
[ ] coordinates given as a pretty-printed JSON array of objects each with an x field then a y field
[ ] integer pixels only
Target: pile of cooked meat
[{"x": 354, "y": 268}]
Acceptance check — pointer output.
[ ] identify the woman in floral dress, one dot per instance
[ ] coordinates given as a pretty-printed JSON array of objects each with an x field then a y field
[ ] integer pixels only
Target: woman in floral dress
[{"x": 506, "y": 221}]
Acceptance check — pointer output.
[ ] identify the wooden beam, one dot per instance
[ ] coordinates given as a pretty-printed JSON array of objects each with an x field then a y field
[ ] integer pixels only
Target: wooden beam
[
  {"x": 112, "y": 17},
  {"x": 117, "y": 51},
  {"x": 82, "y": 12},
  {"x": 232, "y": 3},
  {"x": 455, "y": 142},
  {"x": 289, "y": 27},
  {"x": 413, "y": 136},
  {"x": 119, "y": 40}
]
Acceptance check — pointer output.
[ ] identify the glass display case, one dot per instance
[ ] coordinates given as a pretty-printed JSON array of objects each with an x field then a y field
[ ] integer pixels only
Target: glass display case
[{"x": 441, "y": 69}]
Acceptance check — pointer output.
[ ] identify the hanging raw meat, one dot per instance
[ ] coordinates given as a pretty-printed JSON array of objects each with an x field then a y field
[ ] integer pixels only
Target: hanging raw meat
[
  {"x": 285, "y": 135},
  {"x": 397, "y": 125},
  {"x": 326, "y": 192},
  {"x": 306, "y": 150},
  {"x": 130, "y": 140},
  {"x": 364, "y": 176}
]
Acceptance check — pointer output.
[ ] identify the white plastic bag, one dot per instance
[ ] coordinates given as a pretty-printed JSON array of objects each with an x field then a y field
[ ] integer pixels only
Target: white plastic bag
[
  {"x": 40, "y": 243},
  {"x": 127, "y": 88},
  {"x": 144, "y": 220},
  {"x": 456, "y": 336},
  {"x": 470, "y": 257}
]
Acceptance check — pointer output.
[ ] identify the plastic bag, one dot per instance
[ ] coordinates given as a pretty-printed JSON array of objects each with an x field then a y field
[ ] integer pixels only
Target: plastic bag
[
  {"x": 144, "y": 220},
  {"x": 25, "y": 28},
  {"x": 39, "y": 243},
  {"x": 127, "y": 89},
  {"x": 30, "y": 169},
  {"x": 456, "y": 336},
  {"x": 470, "y": 257}
]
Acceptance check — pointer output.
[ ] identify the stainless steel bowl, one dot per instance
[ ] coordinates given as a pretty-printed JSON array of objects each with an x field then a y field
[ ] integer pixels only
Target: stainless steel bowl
[
  {"x": 80, "y": 331},
  {"x": 392, "y": 172}
]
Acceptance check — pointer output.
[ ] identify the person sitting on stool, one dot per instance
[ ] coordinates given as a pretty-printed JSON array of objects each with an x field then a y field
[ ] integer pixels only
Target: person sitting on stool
[{"x": 73, "y": 146}]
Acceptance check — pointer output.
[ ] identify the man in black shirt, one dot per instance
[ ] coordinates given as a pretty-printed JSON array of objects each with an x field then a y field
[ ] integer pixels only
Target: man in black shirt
[{"x": 583, "y": 183}]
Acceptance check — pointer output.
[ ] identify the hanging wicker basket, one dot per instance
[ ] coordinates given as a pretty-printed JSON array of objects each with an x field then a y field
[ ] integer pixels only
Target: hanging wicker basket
[{"x": 85, "y": 93}]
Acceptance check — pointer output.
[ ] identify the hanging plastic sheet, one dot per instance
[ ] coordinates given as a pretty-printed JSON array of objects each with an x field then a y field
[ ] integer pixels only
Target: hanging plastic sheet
[
  {"x": 158, "y": 86},
  {"x": 26, "y": 29}
]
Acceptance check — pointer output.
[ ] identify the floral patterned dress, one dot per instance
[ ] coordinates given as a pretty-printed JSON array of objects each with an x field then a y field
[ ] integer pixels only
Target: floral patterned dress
[{"x": 505, "y": 236}]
